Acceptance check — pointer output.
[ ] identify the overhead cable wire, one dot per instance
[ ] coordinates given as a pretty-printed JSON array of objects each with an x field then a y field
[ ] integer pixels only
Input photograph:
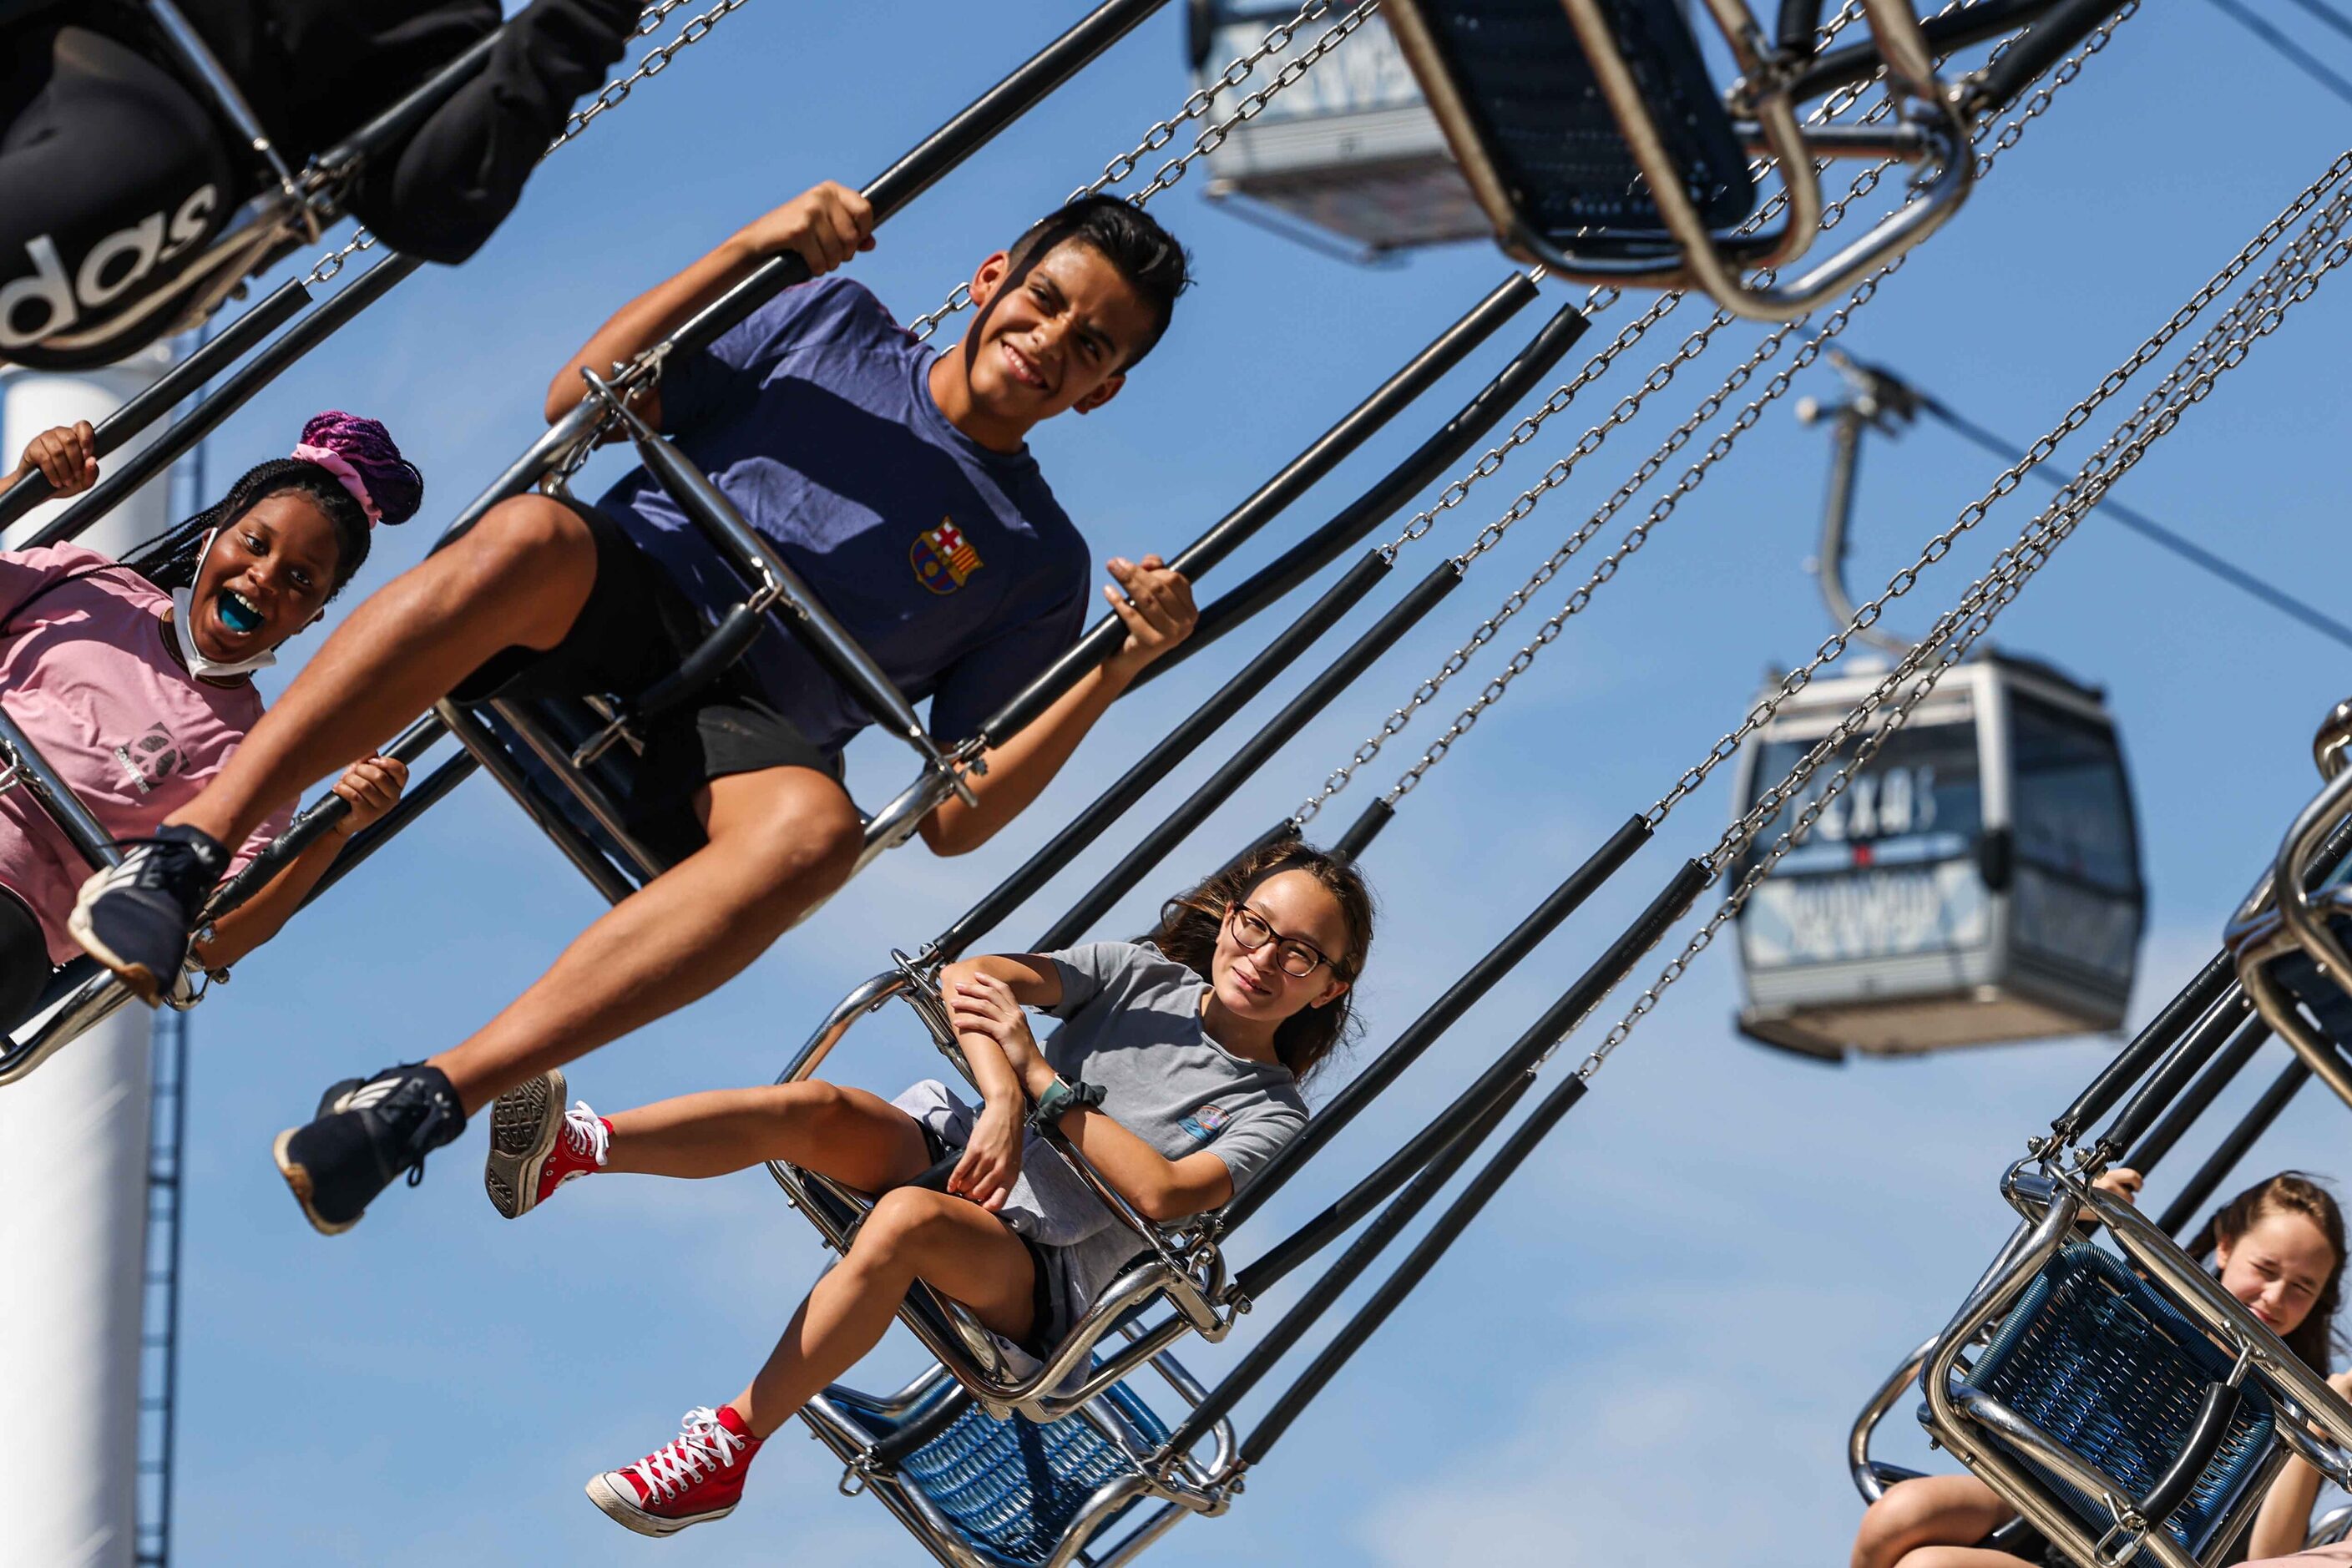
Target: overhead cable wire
[
  {"x": 2148, "y": 528},
  {"x": 2294, "y": 53},
  {"x": 2328, "y": 15}
]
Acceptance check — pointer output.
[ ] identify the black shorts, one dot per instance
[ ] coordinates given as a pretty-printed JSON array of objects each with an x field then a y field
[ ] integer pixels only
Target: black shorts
[
  {"x": 1049, "y": 1326},
  {"x": 636, "y": 628}
]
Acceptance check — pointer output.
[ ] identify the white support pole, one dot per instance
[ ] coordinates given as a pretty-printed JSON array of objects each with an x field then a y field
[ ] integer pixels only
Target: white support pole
[{"x": 73, "y": 1175}]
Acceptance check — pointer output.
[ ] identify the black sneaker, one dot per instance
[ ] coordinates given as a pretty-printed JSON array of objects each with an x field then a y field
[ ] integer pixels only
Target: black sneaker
[
  {"x": 367, "y": 1133},
  {"x": 135, "y": 919}
]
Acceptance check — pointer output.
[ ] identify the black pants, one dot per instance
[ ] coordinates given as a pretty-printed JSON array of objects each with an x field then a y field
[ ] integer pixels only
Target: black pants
[
  {"x": 24, "y": 961},
  {"x": 115, "y": 173}
]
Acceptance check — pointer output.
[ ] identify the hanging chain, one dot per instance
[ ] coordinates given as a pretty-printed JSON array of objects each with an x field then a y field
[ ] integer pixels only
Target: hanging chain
[
  {"x": 2291, "y": 279},
  {"x": 1210, "y": 139},
  {"x": 613, "y": 93},
  {"x": 1602, "y": 298},
  {"x": 1716, "y": 449},
  {"x": 1941, "y": 545}
]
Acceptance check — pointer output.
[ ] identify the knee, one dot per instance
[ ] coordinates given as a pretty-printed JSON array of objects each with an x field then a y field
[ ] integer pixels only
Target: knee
[
  {"x": 811, "y": 840},
  {"x": 527, "y": 538},
  {"x": 1911, "y": 1514},
  {"x": 898, "y": 1225}
]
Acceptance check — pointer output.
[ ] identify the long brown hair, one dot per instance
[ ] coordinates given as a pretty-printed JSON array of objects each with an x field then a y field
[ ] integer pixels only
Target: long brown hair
[
  {"x": 2289, "y": 1192},
  {"x": 1189, "y": 924}
]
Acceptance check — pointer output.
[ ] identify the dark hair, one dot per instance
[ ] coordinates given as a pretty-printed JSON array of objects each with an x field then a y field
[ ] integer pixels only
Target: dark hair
[
  {"x": 1146, "y": 254},
  {"x": 2289, "y": 1192},
  {"x": 392, "y": 480},
  {"x": 1189, "y": 924}
]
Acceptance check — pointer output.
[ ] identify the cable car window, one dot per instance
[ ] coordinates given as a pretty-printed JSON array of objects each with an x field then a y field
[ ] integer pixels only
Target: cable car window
[
  {"x": 1919, "y": 800},
  {"x": 2071, "y": 812}
]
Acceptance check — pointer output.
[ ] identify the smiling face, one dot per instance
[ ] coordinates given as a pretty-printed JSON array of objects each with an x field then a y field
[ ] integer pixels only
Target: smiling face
[
  {"x": 1299, "y": 915},
  {"x": 2278, "y": 1267},
  {"x": 1054, "y": 338},
  {"x": 265, "y": 577}
]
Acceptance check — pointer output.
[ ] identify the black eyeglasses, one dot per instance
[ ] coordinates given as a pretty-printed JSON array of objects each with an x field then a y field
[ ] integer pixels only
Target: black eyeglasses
[{"x": 1296, "y": 958}]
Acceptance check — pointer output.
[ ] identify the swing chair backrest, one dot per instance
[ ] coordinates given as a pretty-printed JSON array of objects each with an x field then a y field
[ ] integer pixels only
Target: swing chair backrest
[
  {"x": 981, "y": 1491},
  {"x": 2097, "y": 1358},
  {"x": 2291, "y": 939},
  {"x": 1597, "y": 144}
]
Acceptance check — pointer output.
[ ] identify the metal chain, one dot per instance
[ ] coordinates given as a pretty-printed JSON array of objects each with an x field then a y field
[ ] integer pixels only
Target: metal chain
[
  {"x": 1868, "y": 614},
  {"x": 1600, "y": 300},
  {"x": 1209, "y": 140},
  {"x": 1559, "y": 471},
  {"x": 2292, "y": 279},
  {"x": 614, "y": 92}
]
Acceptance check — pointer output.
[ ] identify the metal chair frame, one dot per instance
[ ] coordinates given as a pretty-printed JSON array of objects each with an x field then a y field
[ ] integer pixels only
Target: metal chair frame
[
  {"x": 2286, "y": 914},
  {"x": 1181, "y": 1270},
  {"x": 1181, "y": 1487},
  {"x": 1933, "y": 130}
]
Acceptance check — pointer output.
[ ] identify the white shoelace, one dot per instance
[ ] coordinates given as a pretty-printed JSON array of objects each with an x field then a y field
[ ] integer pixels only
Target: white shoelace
[
  {"x": 586, "y": 1134},
  {"x": 701, "y": 1445}
]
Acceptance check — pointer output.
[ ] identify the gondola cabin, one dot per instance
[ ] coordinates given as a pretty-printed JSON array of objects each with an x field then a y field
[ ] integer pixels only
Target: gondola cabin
[
  {"x": 1978, "y": 882},
  {"x": 1349, "y": 148}
]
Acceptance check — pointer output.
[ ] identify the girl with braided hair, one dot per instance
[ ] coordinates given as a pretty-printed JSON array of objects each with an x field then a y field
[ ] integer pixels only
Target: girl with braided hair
[{"x": 133, "y": 678}]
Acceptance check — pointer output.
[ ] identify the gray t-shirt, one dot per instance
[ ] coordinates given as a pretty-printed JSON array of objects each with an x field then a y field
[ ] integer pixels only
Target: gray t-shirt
[{"x": 1131, "y": 1023}]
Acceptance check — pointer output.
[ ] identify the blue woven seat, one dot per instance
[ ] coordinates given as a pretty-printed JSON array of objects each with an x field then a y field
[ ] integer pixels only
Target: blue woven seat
[
  {"x": 2092, "y": 1356},
  {"x": 1012, "y": 1491}
]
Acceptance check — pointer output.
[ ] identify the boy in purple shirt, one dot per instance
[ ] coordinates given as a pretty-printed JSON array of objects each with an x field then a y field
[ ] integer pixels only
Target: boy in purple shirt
[{"x": 896, "y": 481}]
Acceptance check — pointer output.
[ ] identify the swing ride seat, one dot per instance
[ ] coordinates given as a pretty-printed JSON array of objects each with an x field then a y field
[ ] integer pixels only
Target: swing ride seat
[
  {"x": 1171, "y": 1288},
  {"x": 2097, "y": 1360},
  {"x": 1597, "y": 143},
  {"x": 2291, "y": 940},
  {"x": 986, "y": 1492}
]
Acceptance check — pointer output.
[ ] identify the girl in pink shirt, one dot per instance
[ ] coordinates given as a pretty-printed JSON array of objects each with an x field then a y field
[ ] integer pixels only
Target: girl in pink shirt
[{"x": 133, "y": 678}]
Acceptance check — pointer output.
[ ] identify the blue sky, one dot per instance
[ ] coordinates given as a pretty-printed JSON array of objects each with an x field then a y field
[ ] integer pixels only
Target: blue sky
[{"x": 1650, "y": 1346}]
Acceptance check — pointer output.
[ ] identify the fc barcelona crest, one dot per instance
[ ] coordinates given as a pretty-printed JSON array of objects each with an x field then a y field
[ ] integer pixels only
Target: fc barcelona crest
[{"x": 943, "y": 558}]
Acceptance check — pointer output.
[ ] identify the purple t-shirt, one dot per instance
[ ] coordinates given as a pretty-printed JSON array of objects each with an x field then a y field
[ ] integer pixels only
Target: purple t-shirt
[{"x": 951, "y": 565}]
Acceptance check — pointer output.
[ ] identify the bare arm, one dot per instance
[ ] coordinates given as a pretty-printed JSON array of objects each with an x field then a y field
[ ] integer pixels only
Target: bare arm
[
  {"x": 2284, "y": 1518},
  {"x": 373, "y": 787},
  {"x": 826, "y": 225},
  {"x": 1157, "y": 607},
  {"x": 68, "y": 455},
  {"x": 1162, "y": 1190}
]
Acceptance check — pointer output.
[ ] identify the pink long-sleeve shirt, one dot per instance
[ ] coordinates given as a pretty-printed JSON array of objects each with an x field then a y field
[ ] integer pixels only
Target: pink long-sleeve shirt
[{"x": 85, "y": 673}]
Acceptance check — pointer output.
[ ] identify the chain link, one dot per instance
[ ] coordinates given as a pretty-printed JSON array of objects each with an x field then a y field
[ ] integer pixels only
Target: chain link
[
  {"x": 611, "y": 97},
  {"x": 1209, "y": 140},
  {"x": 2293, "y": 278},
  {"x": 1624, "y": 411}
]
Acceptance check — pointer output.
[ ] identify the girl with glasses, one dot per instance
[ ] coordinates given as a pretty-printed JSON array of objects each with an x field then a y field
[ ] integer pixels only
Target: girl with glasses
[{"x": 1175, "y": 1072}]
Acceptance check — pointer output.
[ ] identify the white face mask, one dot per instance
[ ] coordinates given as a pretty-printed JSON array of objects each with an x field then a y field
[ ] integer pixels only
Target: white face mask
[{"x": 184, "y": 630}]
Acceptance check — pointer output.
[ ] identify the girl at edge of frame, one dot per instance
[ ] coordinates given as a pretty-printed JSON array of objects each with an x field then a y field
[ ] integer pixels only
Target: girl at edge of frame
[
  {"x": 1195, "y": 1039},
  {"x": 153, "y": 656},
  {"x": 2279, "y": 1249}
]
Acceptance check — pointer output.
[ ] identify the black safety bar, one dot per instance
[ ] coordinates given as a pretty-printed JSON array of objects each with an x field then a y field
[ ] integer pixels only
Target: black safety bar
[
  {"x": 2214, "y": 1414},
  {"x": 1276, "y": 494},
  {"x": 1089, "y": 824},
  {"x": 1458, "y": 1216},
  {"x": 1254, "y": 753},
  {"x": 1444, "y": 447},
  {"x": 320, "y": 818},
  {"x": 180, "y": 437},
  {"x": 2181, "y": 1212},
  {"x": 1360, "y": 1255},
  {"x": 1794, "y": 31},
  {"x": 1856, "y": 64},
  {"x": 1558, "y": 1022},
  {"x": 1442, "y": 1015},
  {"x": 2064, "y": 25},
  {"x": 183, "y": 381},
  {"x": 2181, "y": 1064},
  {"x": 2185, "y": 1111}
]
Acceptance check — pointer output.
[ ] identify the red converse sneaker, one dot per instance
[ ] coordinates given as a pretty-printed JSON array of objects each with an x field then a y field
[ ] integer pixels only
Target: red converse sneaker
[
  {"x": 696, "y": 1476},
  {"x": 536, "y": 1145}
]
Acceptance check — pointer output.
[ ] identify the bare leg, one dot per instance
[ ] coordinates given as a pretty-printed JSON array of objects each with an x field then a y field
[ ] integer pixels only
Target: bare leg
[
  {"x": 1919, "y": 1521},
  {"x": 519, "y": 576},
  {"x": 781, "y": 839},
  {"x": 846, "y": 1133},
  {"x": 913, "y": 1233}
]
